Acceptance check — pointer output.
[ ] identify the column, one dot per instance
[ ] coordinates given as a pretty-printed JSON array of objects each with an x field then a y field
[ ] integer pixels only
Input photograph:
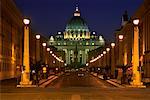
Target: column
[
  {"x": 68, "y": 56},
  {"x": 25, "y": 81},
  {"x": 82, "y": 57},
  {"x": 79, "y": 56},
  {"x": 0, "y": 34},
  {"x": 37, "y": 50},
  {"x": 136, "y": 74},
  {"x": 113, "y": 59}
]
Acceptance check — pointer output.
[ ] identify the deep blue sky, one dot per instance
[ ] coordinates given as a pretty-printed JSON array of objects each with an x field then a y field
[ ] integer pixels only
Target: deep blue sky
[{"x": 102, "y": 16}]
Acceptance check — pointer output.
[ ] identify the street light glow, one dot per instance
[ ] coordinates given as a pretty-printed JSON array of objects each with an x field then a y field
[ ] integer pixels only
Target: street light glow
[
  {"x": 44, "y": 44},
  {"x": 38, "y": 36},
  {"x": 65, "y": 64},
  {"x": 120, "y": 37},
  {"x": 51, "y": 52},
  {"x": 59, "y": 33},
  {"x": 112, "y": 44},
  {"x": 26, "y": 21},
  {"x": 48, "y": 49},
  {"x": 136, "y": 21},
  {"x": 107, "y": 49},
  {"x": 104, "y": 52},
  {"x": 87, "y": 64}
]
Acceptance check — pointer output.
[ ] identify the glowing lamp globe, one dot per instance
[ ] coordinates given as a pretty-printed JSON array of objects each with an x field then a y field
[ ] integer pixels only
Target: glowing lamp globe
[
  {"x": 38, "y": 36},
  {"x": 136, "y": 21},
  {"x": 104, "y": 52},
  {"x": 112, "y": 44},
  {"x": 51, "y": 52},
  {"x": 120, "y": 37},
  {"x": 48, "y": 49},
  {"x": 107, "y": 49},
  {"x": 26, "y": 21},
  {"x": 44, "y": 44}
]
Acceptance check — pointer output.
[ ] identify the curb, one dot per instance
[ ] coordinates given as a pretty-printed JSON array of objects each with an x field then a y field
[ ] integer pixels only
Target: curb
[
  {"x": 48, "y": 82},
  {"x": 109, "y": 81}
]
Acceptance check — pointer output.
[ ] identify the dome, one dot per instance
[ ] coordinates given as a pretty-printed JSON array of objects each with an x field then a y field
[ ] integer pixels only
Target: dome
[{"x": 77, "y": 24}]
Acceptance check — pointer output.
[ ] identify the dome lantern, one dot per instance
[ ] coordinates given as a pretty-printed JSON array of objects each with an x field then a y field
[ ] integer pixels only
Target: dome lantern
[{"x": 77, "y": 12}]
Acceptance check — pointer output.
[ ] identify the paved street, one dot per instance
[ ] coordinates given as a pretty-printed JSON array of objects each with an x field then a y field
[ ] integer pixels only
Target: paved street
[
  {"x": 70, "y": 86},
  {"x": 75, "y": 79}
]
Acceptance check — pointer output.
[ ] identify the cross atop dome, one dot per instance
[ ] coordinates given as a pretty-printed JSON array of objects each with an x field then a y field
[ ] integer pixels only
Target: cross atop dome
[{"x": 77, "y": 12}]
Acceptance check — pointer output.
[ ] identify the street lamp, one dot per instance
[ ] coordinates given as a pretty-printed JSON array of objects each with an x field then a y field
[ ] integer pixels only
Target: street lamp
[
  {"x": 44, "y": 44},
  {"x": 136, "y": 22},
  {"x": 48, "y": 49},
  {"x": 87, "y": 64},
  {"x": 135, "y": 59},
  {"x": 65, "y": 64},
  {"x": 104, "y": 52},
  {"x": 37, "y": 55},
  {"x": 38, "y": 36},
  {"x": 112, "y": 45},
  {"x": 51, "y": 52},
  {"x": 44, "y": 51},
  {"x": 120, "y": 57},
  {"x": 120, "y": 37},
  {"x": 113, "y": 59},
  {"x": 26, "y": 21},
  {"x": 37, "y": 47},
  {"x": 25, "y": 77},
  {"x": 107, "y": 49}
]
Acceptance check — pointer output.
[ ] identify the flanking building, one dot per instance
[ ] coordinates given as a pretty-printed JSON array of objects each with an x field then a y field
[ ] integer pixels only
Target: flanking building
[
  {"x": 76, "y": 40},
  {"x": 11, "y": 35}
]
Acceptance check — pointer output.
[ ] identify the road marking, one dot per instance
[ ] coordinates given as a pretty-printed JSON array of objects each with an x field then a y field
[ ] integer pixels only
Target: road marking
[{"x": 75, "y": 97}]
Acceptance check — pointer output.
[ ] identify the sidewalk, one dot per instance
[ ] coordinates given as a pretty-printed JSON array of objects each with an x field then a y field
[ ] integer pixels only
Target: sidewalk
[
  {"x": 8, "y": 83},
  {"x": 111, "y": 81}
]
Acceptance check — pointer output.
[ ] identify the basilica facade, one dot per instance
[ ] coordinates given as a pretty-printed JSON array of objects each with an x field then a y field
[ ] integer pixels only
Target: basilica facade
[{"x": 77, "y": 40}]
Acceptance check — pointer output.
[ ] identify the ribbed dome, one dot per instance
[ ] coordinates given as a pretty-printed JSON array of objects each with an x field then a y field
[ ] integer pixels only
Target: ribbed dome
[{"x": 77, "y": 24}]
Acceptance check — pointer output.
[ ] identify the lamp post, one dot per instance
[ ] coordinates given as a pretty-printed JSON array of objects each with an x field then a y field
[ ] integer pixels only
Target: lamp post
[
  {"x": 113, "y": 59},
  {"x": 37, "y": 57},
  {"x": 104, "y": 52},
  {"x": 38, "y": 48},
  {"x": 47, "y": 53},
  {"x": 121, "y": 50},
  {"x": 108, "y": 60},
  {"x": 120, "y": 57},
  {"x": 44, "y": 51},
  {"x": 135, "y": 59},
  {"x": 25, "y": 78},
  {"x": 108, "y": 57}
]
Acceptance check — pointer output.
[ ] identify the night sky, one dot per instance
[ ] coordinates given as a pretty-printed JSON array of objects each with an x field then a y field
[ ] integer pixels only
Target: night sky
[{"x": 102, "y": 16}]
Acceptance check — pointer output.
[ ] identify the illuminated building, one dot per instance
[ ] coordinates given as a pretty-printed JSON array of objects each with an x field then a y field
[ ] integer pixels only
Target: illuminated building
[
  {"x": 76, "y": 40},
  {"x": 10, "y": 39}
]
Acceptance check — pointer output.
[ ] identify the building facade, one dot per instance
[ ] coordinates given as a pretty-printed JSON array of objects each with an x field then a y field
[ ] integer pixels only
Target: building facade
[
  {"x": 76, "y": 40},
  {"x": 124, "y": 58},
  {"x": 11, "y": 33}
]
